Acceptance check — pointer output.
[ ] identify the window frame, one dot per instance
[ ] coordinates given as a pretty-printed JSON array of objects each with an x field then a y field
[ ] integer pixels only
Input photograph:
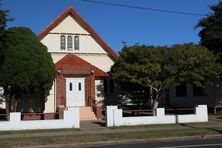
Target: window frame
[
  {"x": 69, "y": 43},
  {"x": 63, "y": 42},
  {"x": 76, "y": 42},
  {"x": 198, "y": 91},
  {"x": 181, "y": 90},
  {"x": 108, "y": 85}
]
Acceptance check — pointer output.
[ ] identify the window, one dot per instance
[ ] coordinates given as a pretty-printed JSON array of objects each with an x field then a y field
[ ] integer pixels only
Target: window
[
  {"x": 80, "y": 86},
  {"x": 70, "y": 86},
  {"x": 108, "y": 86},
  {"x": 198, "y": 91},
  {"x": 76, "y": 42},
  {"x": 105, "y": 85},
  {"x": 181, "y": 90},
  {"x": 69, "y": 42},
  {"x": 63, "y": 42},
  {"x": 111, "y": 86}
]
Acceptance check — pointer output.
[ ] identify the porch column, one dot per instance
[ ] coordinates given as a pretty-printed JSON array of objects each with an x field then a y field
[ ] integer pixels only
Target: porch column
[{"x": 90, "y": 89}]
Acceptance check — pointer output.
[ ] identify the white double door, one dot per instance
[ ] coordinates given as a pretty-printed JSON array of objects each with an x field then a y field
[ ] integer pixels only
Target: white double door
[{"x": 75, "y": 92}]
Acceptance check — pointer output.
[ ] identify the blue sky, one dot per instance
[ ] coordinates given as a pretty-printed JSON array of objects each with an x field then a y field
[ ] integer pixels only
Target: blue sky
[{"x": 117, "y": 24}]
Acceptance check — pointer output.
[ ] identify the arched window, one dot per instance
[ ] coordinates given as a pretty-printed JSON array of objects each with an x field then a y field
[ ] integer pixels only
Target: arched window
[
  {"x": 63, "y": 42},
  {"x": 69, "y": 42},
  {"x": 76, "y": 42}
]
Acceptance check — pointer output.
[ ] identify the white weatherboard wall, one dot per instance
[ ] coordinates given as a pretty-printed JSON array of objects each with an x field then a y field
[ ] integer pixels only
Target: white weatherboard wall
[
  {"x": 50, "y": 101},
  {"x": 114, "y": 117},
  {"x": 71, "y": 120}
]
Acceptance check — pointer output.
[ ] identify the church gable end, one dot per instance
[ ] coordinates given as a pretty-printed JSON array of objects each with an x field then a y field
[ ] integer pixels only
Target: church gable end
[{"x": 70, "y": 33}]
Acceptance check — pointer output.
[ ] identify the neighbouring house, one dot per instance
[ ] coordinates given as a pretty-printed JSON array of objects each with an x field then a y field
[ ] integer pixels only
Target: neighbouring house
[
  {"x": 83, "y": 61},
  {"x": 187, "y": 95}
]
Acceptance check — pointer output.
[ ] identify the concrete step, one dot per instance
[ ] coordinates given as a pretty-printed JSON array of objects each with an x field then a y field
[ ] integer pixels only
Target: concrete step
[{"x": 86, "y": 113}]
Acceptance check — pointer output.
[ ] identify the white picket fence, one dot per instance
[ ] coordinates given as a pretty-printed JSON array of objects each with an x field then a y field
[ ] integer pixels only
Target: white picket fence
[
  {"x": 114, "y": 117},
  {"x": 71, "y": 120}
]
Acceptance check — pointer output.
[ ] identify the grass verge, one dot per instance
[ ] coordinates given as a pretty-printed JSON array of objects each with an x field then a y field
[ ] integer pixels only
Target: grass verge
[
  {"x": 33, "y": 141},
  {"x": 38, "y": 131}
]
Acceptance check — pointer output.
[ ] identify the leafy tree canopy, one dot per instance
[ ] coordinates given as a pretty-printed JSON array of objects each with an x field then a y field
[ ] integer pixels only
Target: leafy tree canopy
[
  {"x": 27, "y": 66},
  {"x": 211, "y": 29},
  {"x": 161, "y": 67},
  {"x": 4, "y": 18}
]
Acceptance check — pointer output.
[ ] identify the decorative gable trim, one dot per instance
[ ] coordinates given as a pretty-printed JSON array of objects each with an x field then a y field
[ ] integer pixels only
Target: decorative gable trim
[{"x": 84, "y": 24}]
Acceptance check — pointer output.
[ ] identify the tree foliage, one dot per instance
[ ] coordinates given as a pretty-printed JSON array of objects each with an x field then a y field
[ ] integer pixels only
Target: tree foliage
[
  {"x": 211, "y": 29},
  {"x": 27, "y": 66},
  {"x": 161, "y": 67},
  {"x": 4, "y": 18}
]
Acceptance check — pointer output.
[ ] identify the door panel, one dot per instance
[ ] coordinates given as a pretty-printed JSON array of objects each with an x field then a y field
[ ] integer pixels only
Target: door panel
[{"x": 75, "y": 92}]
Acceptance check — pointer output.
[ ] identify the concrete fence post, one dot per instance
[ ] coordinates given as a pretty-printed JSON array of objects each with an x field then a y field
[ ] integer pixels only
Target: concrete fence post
[
  {"x": 118, "y": 115},
  {"x": 201, "y": 113},
  {"x": 15, "y": 119},
  {"x": 110, "y": 115}
]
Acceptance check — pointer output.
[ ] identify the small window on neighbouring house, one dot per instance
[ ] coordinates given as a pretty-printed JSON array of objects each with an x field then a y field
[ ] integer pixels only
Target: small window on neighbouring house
[
  {"x": 69, "y": 42},
  {"x": 108, "y": 86},
  {"x": 111, "y": 86},
  {"x": 198, "y": 91},
  {"x": 70, "y": 86},
  {"x": 63, "y": 42},
  {"x": 181, "y": 90},
  {"x": 105, "y": 85},
  {"x": 76, "y": 42},
  {"x": 80, "y": 87}
]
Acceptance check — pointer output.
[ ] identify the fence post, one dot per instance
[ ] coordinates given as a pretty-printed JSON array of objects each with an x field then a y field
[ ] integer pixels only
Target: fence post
[
  {"x": 110, "y": 115},
  {"x": 14, "y": 120},
  {"x": 201, "y": 113}
]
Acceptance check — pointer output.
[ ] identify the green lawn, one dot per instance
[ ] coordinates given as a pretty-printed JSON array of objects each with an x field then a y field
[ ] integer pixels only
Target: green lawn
[{"x": 38, "y": 131}]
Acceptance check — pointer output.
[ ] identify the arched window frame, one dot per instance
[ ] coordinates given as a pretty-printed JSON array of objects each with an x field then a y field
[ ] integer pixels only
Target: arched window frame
[
  {"x": 62, "y": 42},
  {"x": 69, "y": 42},
  {"x": 76, "y": 42}
]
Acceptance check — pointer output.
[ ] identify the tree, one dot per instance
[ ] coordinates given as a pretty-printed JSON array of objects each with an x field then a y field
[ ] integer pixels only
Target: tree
[
  {"x": 4, "y": 18},
  {"x": 27, "y": 66},
  {"x": 161, "y": 67},
  {"x": 211, "y": 29}
]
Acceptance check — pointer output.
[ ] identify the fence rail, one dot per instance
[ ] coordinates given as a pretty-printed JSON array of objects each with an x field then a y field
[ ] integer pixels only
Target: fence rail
[
  {"x": 41, "y": 116},
  {"x": 167, "y": 110}
]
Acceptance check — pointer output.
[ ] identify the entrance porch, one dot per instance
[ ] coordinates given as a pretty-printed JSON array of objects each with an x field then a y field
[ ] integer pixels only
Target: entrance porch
[{"x": 75, "y": 83}]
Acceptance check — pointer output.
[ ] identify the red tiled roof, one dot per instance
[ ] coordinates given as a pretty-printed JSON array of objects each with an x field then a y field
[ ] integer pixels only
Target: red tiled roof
[
  {"x": 84, "y": 24},
  {"x": 73, "y": 61}
]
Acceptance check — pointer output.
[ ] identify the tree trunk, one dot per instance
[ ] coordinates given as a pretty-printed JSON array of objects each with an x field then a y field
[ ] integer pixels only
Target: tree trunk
[
  {"x": 7, "y": 108},
  {"x": 13, "y": 104},
  {"x": 156, "y": 103}
]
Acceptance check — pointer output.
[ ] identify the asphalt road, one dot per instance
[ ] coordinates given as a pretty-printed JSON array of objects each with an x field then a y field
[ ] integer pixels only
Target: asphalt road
[{"x": 200, "y": 143}]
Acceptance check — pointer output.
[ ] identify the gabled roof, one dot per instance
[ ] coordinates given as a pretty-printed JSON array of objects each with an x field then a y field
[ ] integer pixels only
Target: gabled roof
[
  {"x": 84, "y": 24},
  {"x": 73, "y": 62}
]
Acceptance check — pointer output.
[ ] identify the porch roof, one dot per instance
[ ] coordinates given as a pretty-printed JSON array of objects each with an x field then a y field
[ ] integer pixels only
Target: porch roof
[{"x": 72, "y": 64}]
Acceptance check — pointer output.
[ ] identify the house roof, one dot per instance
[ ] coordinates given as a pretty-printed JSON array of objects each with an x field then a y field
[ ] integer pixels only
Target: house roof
[
  {"x": 84, "y": 24},
  {"x": 71, "y": 62}
]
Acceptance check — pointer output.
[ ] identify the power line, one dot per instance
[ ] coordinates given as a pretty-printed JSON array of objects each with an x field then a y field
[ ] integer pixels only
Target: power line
[{"x": 144, "y": 8}]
